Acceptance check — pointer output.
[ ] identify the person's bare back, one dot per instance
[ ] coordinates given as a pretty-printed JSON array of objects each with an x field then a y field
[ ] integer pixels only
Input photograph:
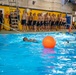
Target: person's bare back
[{"x": 29, "y": 40}]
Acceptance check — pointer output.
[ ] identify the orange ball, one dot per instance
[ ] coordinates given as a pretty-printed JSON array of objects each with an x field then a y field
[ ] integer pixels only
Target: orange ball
[{"x": 49, "y": 42}]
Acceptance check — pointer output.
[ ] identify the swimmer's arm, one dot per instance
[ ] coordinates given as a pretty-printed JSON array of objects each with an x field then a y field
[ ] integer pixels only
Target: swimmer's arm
[{"x": 36, "y": 42}]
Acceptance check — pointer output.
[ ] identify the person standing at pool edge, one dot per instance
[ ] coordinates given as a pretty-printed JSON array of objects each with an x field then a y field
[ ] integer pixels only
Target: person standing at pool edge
[
  {"x": 70, "y": 29},
  {"x": 1, "y": 19},
  {"x": 24, "y": 20}
]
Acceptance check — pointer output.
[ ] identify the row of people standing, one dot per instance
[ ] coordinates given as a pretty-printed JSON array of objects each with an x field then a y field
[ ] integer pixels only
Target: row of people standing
[
  {"x": 35, "y": 22},
  {"x": 41, "y": 22}
]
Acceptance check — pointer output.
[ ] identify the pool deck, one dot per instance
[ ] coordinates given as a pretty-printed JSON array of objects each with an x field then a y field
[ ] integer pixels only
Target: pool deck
[{"x": 10, "y": 32}]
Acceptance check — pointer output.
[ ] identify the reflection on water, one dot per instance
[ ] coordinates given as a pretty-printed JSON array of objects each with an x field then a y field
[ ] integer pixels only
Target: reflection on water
[
  {"x": 49, "y": 57},
  {"x": 28, "y": 58},
  {"x": 48, "y": 51}
]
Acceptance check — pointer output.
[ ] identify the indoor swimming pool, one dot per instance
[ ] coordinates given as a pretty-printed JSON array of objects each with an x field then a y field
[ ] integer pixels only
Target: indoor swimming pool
[{"x": 18, "y": 57}]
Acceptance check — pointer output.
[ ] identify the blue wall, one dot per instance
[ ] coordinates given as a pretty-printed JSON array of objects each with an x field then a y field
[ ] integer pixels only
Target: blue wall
[{"x": 68, "y": 20}]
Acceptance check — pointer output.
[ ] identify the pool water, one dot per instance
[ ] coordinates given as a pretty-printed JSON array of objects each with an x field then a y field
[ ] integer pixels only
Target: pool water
[{"x": 28, "y": 58}]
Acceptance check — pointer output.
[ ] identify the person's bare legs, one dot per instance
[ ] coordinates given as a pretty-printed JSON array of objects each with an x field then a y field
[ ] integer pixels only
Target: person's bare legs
[
  {"x": 35, "y": 28},
  {"x": 23, "y": 28}
]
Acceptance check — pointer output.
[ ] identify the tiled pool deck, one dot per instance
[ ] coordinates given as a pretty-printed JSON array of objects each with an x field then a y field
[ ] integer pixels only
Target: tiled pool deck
[{"x": 9, "y": 32}]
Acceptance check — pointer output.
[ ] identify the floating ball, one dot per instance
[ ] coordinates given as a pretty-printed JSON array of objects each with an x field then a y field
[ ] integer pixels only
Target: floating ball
[{"x": 49, "y": 42}]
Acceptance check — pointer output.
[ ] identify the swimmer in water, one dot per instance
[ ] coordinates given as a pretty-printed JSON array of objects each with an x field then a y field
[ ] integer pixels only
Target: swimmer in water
[
  {"x": 25, "y": 39},
  {"x": 29, "y": 40},
  {"x": 67, "y": 41}
]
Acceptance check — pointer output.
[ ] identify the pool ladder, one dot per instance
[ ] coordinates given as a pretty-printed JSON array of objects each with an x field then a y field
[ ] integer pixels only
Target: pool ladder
[{"x": 14, "y": 13}]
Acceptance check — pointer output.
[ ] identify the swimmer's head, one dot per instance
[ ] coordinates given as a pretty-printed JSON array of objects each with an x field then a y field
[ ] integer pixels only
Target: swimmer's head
[
  {"x": 67, "y": 41},
  {"x": 25, "y": 39}
]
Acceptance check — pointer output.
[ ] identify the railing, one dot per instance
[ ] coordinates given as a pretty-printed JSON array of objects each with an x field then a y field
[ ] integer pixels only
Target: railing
[{"x": 10, "y": 28}]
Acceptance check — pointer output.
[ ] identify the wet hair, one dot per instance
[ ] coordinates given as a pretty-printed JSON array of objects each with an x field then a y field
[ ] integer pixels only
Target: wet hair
[
  {"x": 25, "y": 39},
  {"x": 67, "y": 41}
]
